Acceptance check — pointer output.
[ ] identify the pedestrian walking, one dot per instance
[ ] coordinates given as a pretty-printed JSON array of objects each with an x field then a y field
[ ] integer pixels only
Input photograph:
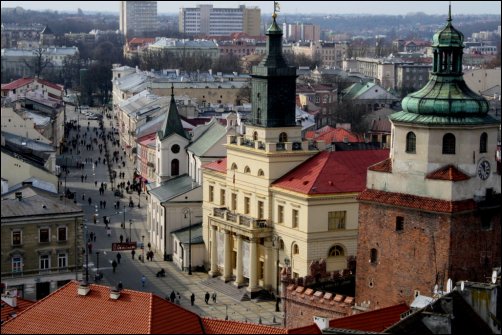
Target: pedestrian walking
[
  {"x": 89, "y": 200},
  {"x": 100, "y": 203},
  {"x": 119, "y": 256},
  {"x": 85, "y": 178},
  {"x": 214, "y": 297},
  {"x": 96, "y": 183},
  {"x": 173, "y": 296},
  {"x": 120, "y": 286},
  {"x": 133, "y": 252},
  {"x": 109, "y": 232},
  {"x": 83, "y": 196},
  {"x": 94, "y": 238},
  {"x": 192, "y": 299},
  {"x": 121, "y": 238},
  {"x": 206, "y": 298},
  {"x": 104, "y": 204},
  {"x": 143, "y": 281},
  {"x": 114, "y": 265},
  {"x": 82, "y": 178},
  {"x": 89, "y": 247},
  {"x": 91, "y": 235}
]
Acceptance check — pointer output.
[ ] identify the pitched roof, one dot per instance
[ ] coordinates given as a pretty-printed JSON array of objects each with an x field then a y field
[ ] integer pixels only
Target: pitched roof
[
  {"x": 448, "y": 172},
  {"x": 64, "y": 311},
  {"x": 329, "y": 134},
  {"x": 416, "y": 202},
  {"x": 380, "y": 126},
  {"x": 332, "y": 172},
  {"x": 209, "y": 138},
  {"x": 8, "y": 311},
  {"x": 214, "y": 326},
  {"x": 374, "y": 321},
  {"x": 220, "y": 165},
  {"x": 17, "y": 83},
  {"x": 172, "y": 124},
  {"x": 174, "y": 187},
  {"x": 383, "y": 166}
]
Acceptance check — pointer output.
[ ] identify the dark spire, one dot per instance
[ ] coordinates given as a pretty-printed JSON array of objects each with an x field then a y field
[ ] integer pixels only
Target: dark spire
[{"x": 172, "y": 123}]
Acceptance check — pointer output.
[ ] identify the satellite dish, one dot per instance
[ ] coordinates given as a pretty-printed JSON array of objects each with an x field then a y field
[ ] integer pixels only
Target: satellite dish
[
  {"x": 494, "y": 276},
  {"x": 449, "y": 284},
  {"x": 462, "y": 285},
  {"x": 436, "y": 289}
]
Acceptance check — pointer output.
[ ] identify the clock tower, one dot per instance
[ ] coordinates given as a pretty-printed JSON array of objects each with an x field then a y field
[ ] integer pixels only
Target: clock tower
[{"x": 431, "y": 211}]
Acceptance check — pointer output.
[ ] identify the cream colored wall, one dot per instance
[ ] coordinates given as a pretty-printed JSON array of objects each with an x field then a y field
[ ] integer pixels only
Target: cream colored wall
[
  {"x": 409, "y": 170},
  {"x": 15, "y": 124},
  {"x": 16, "y": 171}
]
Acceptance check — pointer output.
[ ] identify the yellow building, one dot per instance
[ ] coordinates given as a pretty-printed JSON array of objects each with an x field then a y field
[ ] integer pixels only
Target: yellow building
[{"x": 278, "y": 200}]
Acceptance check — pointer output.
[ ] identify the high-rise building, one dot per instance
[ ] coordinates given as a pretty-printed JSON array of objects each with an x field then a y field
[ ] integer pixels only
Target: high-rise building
[
  {"x": 138, "y": 18},
  {"x": 204, "y": 19},
  {"x": 431, "y": 211}
]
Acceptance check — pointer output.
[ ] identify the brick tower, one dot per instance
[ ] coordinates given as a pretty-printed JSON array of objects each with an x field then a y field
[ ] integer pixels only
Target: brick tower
[{"x": 431, "y": 211}]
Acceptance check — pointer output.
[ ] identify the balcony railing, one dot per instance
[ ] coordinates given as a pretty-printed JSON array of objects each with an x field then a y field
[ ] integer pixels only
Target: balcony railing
[
  {"x": 247, "y": 143},
  {"x": 239, "y": 219}
]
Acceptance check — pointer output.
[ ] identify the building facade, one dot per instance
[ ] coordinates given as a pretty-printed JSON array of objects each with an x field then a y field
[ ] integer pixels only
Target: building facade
[
  {"x": 206, "y": 20},
  {"x": 431, "y": 211},
  {"x": 138, "y": 18},
  {"x": 41, "y": 241}
]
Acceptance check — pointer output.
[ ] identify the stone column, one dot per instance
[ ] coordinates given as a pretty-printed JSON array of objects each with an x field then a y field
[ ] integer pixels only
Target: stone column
[
  {"x": 227, "y": 270},
  {"x": 214, "y": 253},
  {"x": 253, "y": 265},
  {"x": 239, "y": 278}
]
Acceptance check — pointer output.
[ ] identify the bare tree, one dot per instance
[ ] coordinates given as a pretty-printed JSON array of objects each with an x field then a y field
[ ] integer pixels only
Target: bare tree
[{"x": 39, "y": 62}]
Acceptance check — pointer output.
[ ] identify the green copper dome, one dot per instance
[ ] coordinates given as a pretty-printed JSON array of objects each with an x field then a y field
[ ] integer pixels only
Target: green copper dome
[{"x": 446, "y": 98}]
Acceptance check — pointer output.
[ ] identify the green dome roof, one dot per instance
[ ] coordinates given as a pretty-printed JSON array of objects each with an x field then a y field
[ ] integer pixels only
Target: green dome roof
[{"x": 445, "y": 99}]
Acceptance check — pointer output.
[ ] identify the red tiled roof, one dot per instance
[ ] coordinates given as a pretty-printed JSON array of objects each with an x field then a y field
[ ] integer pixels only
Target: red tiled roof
[
  {"x": 141, "y": 40},
  {"x": 220, "y": 165},
  {"x": 312, "y": 329},
  {"x": 329, "y": 134},
  {"x": 50, "y": 84},
  {"x": 332, "y": 172},
  {"x": 448, "y": 172},
  {"x": 414, "y": 201},
  {"x": 374, "y": 321},
  {"x": 147, "y": 139},
  {"x": 214, "y": 326},
  {"x": 17, "y": 83},
  {"x": 8, "y": 311},
  {"x": 64, "y": 311},
  {"x": 383, "y": 166}
]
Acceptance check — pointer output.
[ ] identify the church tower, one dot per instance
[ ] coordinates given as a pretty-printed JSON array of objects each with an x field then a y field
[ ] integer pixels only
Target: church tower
[{"x": 431, "y": 211}]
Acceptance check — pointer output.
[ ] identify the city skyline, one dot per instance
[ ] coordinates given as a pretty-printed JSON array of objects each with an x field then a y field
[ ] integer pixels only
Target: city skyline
[{"x": 287, "y": 7}]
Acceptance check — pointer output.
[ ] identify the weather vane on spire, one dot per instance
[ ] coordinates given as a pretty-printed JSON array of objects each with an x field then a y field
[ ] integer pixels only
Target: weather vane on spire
[{"x": 277, "y": 9}]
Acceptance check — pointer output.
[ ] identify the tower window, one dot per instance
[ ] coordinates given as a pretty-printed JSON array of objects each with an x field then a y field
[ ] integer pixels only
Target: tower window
[
  {"x": 449, "y": 144},
  {"x": 283, "y": 137},
  {"x": 399, "y": 223},
  {"x": 373, "y": 256},
  {"x": 255, "y": 136},
  {"x": 483, "y": 142},
  {"x": 296, "y": 250},
  {"x": 175, "y": 167},
  {"x": 336, "y": 250},
  {"x": 411, "y": 143}
]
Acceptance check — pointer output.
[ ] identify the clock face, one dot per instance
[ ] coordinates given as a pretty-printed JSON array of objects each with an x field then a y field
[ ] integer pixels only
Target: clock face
[{"x": 484, "y": 169}]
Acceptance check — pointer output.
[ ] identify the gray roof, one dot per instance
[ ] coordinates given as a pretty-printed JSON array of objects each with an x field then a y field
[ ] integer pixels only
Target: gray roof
[
  {"x": 38, "y": 183},
  {"x": 210, "y": 137},
  {"x": 183, "y": 234},
  {"x": 36, "y": 202},
  {"x": 174, "y": 187},
  {"x": 21, "y": 141}
]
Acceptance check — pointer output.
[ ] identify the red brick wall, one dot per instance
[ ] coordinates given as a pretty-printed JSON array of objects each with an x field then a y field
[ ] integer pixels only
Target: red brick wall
[{"x": 431, "y": 247}]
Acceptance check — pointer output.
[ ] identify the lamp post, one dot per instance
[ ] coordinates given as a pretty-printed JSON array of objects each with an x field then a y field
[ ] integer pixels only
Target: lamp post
[
  {"x": 97, "y": 266},
  {"x": 86, "y": 254},
  {"x": 143, "y": 248},
  {"x": 130, "y": 231},
  {"x": 276, "y": 243},
  {"x": 189, "y": 212}
]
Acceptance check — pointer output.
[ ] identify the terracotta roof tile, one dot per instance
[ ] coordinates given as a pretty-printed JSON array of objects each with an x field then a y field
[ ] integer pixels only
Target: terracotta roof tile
[
  {"x": 8, "y": 311},
  {"x": 51, "y": 84},
  {"x": 312, "y": 329},
  {"x": 64, "y": 311},
  {"x": 329, "y": 134},
  {"x": 417, "y": 202},
  {"x": 214, "y": 326},
  {"x": 16, "y": 83},
  {"x": 383, "y": 166},
  {"x": 220, "y": 165},
  {"x": 448, "y": 172},
  {"x": 332, "y": 172},
  {"x": 374, "y": 321}
]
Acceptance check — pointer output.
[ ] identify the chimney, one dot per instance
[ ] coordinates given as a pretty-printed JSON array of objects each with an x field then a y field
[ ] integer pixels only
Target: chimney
[
  {"x": 19, "y": 195},
  {"x": 114, "y": 293},
  {"x": 83, "y": 288},
  {"x": 321, "y": 322},
  {"x": 10, "y": 299}
]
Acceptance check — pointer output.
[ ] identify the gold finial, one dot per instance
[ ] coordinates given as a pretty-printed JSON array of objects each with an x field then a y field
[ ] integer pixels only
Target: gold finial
[{"x": 277, "y": 8}]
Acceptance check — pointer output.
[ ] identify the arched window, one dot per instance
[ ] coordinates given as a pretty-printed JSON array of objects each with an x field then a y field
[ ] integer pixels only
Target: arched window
[
  {"x": 255, "y": 136},
  {"x": 373, "y": 256},
  {"x": 411, "y": 143},
  {"x": 258, "y": 116},
  {"x": 283, "y": 137},
  {"x": 449, "y": 144},
  {"x": 261, "y": 173},
  {"x": 234, "y": 167},
  {"x": 175, "y": 167},
  {"x": 483, "y": 140},
  {"x": 296, "y": 249},
  {"x": 281, "y": 245},
  {"x": 247, "y": 169},
  {"x": 336, "y": 250}
]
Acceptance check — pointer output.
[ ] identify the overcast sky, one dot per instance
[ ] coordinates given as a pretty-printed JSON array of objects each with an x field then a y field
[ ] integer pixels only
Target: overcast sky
[{"x": 287, "y": 7}]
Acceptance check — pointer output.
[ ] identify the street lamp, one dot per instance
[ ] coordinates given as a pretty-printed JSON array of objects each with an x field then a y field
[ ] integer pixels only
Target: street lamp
[
  {"x": 97, "y": 266},
  {"x": 189, "y": 212},
  {"x": 86, "y": 254},
  {"x": 276, "y": 241},
  {"x": 130, "y": 231},
  {"x": 143, "y": 248}
]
